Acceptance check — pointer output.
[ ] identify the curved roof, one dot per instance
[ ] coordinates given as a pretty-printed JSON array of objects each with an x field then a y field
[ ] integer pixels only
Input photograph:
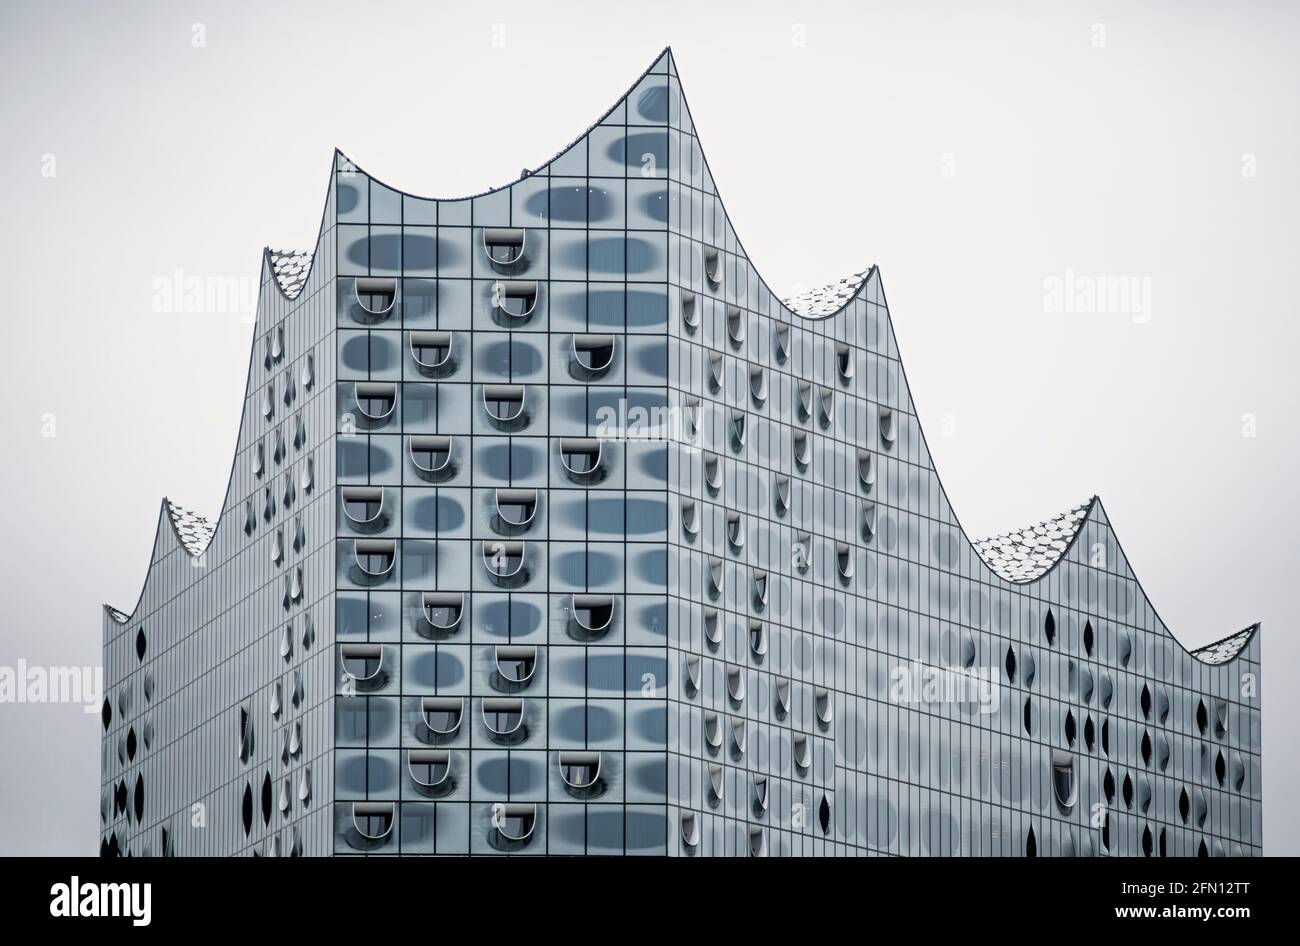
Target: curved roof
[
  {"x": 290, "y": 268},
  {"x": 1021, "y": 556},
  {"x": 1025, "y": 555},
  {"x": 1220, "y": 652},
  {"x": 193, "y": 530},
  {"x": 829, "y": 299}
]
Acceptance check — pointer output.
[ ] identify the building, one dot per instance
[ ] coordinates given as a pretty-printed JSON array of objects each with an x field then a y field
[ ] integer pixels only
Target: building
[{"x": 551, "y": 529}]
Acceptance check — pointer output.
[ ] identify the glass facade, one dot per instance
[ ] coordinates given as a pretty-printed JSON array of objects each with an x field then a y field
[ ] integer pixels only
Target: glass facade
[{"x": 553, "y": 530}]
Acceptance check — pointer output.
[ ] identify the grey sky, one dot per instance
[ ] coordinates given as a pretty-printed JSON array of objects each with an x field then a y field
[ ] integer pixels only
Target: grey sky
[{"x": 975, "y": 151}]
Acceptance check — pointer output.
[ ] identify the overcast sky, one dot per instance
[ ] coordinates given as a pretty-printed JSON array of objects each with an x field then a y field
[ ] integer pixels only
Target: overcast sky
[{"x": 993, "y": 158}]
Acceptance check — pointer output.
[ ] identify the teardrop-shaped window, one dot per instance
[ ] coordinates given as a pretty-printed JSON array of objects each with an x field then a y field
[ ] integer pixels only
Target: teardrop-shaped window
[
  {"x": 826, "y": 402},
  {"x": 782, "y": 494},
  {"x": 869, "y": 515},
  {"x": 712, "y": 472},
  {"x": 140, "y": 644},
  {"x": 692, "y": 680},
  {"x": 716, "y": 574},
  {"x": 760, "y": 794},
  {"x": 1202, "y": 717},
  {"x": 735, "y": 531},
  {"x": 713, "y": 731},
  {"x": 758, "y": 385},
  {"x": 888, "y": 426},
  {"x": 736, "y": 326},
  {"x": 739, "y": 737},
  {"x": 690, "y": 313},
  {"x": 802, "y": 751},
  {"x": 1069, "y": 727},
  {"x": 1088, "y": 638},
  {"x": 866, "y": 470},
  {"x": 1049, "y": 627},
  {"x": 1031, "y": 844},
  {"x": 758, "y": 639},
  {"x": 802, "y": 552},
  {"x": 690, "y": 518},
  {"x": 713, "y": 265},
  {"x": 781, "y": 334},
  {"x": 757, "y": 842},
  {"x": 760, "y": 587},
  {"x": 824, "y": 814},
  {"x": 246, "y": 809},
  {"x": 802, "y": 449},
  {"x": 712, "y": 627},
  {"x": 1064, "y": 784},
  {"x": 738, "y": 430},
  {"x": 1146, "y": 748},
  {"x": 717, "y": 784},
  {"x": 844, "y": 561},
  {"x": 1010, "y": 664},
  {"x": 717, "y": 372},
  {"x": 782, "y": 698},
  {"x": 690, "y": 829},
  {"x": 824, "y": 707},
  {"x": 736, "y": 685},
  {"x": 844, "y": 362},
  {"x": 1145, "y": 702},
  {"x": 805, "y": 404}
]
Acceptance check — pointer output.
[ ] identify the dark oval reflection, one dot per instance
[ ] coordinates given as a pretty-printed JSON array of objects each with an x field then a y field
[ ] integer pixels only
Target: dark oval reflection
[
  {"x": 594, "y": 724},
  {"x": 653, "y": 359},
  {"x": 516, "y": 774},
  {"x": 505, "y": 618},
  {"x": 638, "y": 145},
  {"x": 367, "y": 353},
  {"x": 651, "y": 566},
  {"x": 348, "y": 197},
  {"x": 507, "y": 460},
  {"x": 505, "y": 357},
  {"x": 356, "y": 459},
  {"x": 654, "y": 464},
  {"x": 570, "y": 203},
  {"x": 652, "y": 104},
  {"x": 652, "y": 724},
  {"x": 439, "y": 513},
  {"x": 585, "y": 568},
  {"x": 419, "y": 252}
]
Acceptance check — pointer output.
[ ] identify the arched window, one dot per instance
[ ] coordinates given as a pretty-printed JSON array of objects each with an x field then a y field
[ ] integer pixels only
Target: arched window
[
  {"x": 442, "y": 610},
  {"x": 504, "y": 247},
  {"x": 431, "y": 456},
  {"x": 592, "y": 616},
  {"x": 593, "y": 355},
  {"x": 515, "y": 510},
  {"x": 514, "y": 300},
  {"x": 432, "y": 353}
]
